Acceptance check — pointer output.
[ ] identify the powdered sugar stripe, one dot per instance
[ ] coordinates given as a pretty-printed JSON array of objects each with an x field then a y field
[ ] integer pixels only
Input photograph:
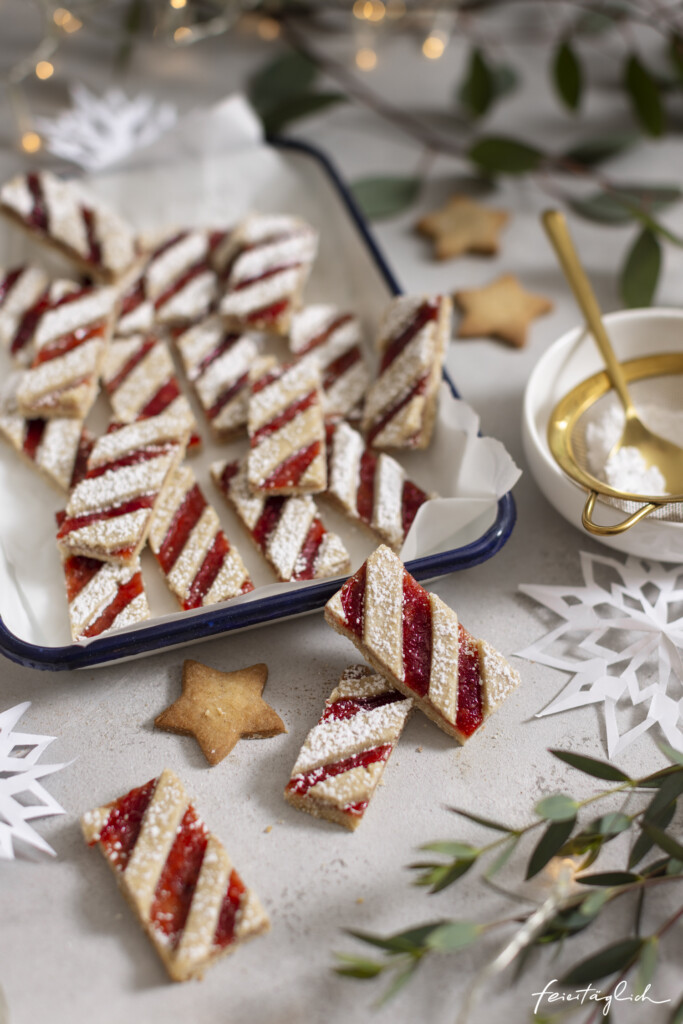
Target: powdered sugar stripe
[{"x": 333, "y": 340}]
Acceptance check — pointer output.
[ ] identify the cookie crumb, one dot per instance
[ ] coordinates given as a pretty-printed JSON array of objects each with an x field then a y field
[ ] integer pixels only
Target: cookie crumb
[{"x": 268, "y": 828}]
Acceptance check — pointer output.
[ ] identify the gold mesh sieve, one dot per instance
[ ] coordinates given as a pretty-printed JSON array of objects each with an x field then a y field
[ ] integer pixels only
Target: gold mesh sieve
[{"x": 567, "y": 442}]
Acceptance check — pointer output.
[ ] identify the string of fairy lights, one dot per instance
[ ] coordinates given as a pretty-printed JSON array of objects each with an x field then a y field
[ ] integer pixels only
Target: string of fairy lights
[{"x": 180, "y": 23}]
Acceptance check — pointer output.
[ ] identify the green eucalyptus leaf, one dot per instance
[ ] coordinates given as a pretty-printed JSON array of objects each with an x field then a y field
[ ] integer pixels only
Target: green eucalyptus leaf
[
  {"x": 594, "y": 903},
  {"x": 402, "y": 942},
  {"x": 676, "y": 52},
  {"x": 453, "y": 935},
  {"x": 558, "y": 807},
  {"x": 401, "y": 978},
  {"x": 451, "y": 873},
  {"x": 503, "y": 857},
  {"x": 647, "y": 963},
  {"x": 380, "y": 197},
  {"x": 452, "y": 849},
  {"x": 567, "y": 75},
  {"x": 550, "y": 843},
  {"x": 640, "y": 272},
  {"x": 479, "y": 820},
  {"x": 609, "y": 878},
  {"x": 602, "y": 208},
  {"x": 601, "y": 964},
  {"x": 505, "y": 80},
  {"x": 287, "y": 76},
  {"x": 591, "y": 766},
  {"x": 664, "y": 841},
  {"x": 669, "y": 791},
  {"x": 676, "y": 756},
  {"x": 644, "y": 843},
  {"x": 595, "y": 151},
  {"x": 645, "y": 96},
  {"x": 477, "y": 90},
  {"x": 674, "y": 867},
  {"x": 504, "y": 155},
  {"x": 612, "y": 824},
  {"x": 292, "y": 108},
  {"x": 357, "y": 967},
  {"x": 594, "y": 23},
  {"x": 590, "y": 858}
]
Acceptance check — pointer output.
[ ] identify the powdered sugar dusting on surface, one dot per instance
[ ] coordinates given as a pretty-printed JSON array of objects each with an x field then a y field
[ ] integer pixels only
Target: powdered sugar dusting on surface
[
  {"x": 498, "y": 677},
  {"x": 346, "y": 449},
  {"x": 383, "y": 610},
  {"x": 337, "y": 739},
  {"x": 443, "y": 676},
  {"x": 287, "y": 539},
  {"x": 332, "y": 558},
  {"x": 387, "y": 512},
  {"x": 99, "y": 593}
]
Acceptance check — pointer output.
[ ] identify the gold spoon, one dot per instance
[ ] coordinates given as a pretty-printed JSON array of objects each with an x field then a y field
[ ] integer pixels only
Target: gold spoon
[{"x": 655, "y": 450}]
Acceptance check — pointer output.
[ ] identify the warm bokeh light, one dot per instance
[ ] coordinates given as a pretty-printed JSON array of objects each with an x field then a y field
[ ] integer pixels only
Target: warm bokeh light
[
  {"x": 395, "y": 8},
  {"x": 359, "y": 9},
  {"x": 182, "y": 33},
  {"x": 44, "y": 69},
  {"x": 66, "y": 20},
  {"x": 376, "y": 11},
  {"x": 268, "y": 29},
  {"x": 31, "y": 142},
  {"x": 178, "y": 4},
  {"x": 434, "y": 46},
  {"x": 366, "y": 59}
]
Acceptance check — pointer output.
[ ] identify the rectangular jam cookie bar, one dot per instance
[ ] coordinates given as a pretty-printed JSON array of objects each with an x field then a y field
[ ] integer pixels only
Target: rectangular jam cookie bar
[
  {"x": 109, "y": 512},
  {"x": 179, "y": 279},
  {"x": 139, "y": 377},
  {"x": 265, "y": 263},
  {"x": 416, "y": 642},
  {"x": 103, "y": 596},
  {"x": 136, "y": 311},
  {"x": 401, "y": 404},
  {"x": 21, "y": 289},
  {"x": 70, "y": 330},
  {"x": 176, "y": 876},
  {"x": 72, "y": 220},
  {"x": 344, "y": 755},
  {"x": 370, "y": 488},
  {"x": 200, "y": 565},
  {"x": 287, "y": 531},
  {"x": 221, "y": 366},
  {"x": 287, "y": 432},
  {"x": 333, "y": 340}
]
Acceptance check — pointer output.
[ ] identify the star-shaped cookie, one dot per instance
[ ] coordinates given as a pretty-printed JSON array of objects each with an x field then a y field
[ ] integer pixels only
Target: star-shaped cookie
[
  {"x": 502, "y": 309},
  {"x": 220, "y": 708},
  {"x": 463, "y": 225}
]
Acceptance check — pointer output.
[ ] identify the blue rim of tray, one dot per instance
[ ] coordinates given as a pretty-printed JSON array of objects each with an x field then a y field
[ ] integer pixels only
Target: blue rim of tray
[{"x": 219, "y": 620}]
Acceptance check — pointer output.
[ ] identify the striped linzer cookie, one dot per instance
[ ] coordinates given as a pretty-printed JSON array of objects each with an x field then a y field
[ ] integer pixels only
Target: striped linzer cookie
[
  {"x": 287, "y": 531},
  {"x": 345, "y": 754},
  {"x": 369, "y": 487},
  {"x": 221, "y": 366},
  {"x": 333, "y": 339},
  {"x": 59, "y": 448},
  {"x": 21, "y": 289},
  {"x": 109, "y": 512},
  {"x": 200, "y": 565},
  {"x": 139, "y": 377},
  {"x": 103, "y": 596},
  {"x": 70, "y": 219},
  {"x": 265, "y": 263},
  {"x": 179, "y": 279},
  {"x": 136, "y": 311},
  {"x": 401, "y": 404},
  {"x": 70, "y": 331},
  {"x": 287, "y": 432},
  {"x": 416, "y": 642},
  {"x": 176, "y": 876}
]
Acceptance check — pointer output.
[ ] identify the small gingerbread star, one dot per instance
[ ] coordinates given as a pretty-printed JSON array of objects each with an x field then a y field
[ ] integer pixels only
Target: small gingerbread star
[
  {"x": 463, "y": 225},
  {"x": 502, "y": 309},
  {"x": 220, "y": 708}
]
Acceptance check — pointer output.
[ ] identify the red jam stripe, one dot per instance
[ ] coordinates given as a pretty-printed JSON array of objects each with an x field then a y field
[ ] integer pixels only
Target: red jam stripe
[
  {"x": 67, "y": 342},
  {"x": 132, "y": 299},
  {"x": 417, "y": 636},
  {"x": 122, "y": 828},
  {"x": 34, "y": 435},
  {"x": 183, "y": 523},
  {"x": 8, "y": 282},
  {"x": 348, "y": 707},
  {"x": 265, "y": 275},
  {"x": 163, "y": 398},
  {"x": 85, "y": 447},
  {"x": 290, "y": 472},
  {"x": 302, "y": 783},
  {"x": 94, "y": 247},
  {"x": 194, "y": 271},
  {"x": 178, "y": 880},
  {"x": 37, "y": 218},
  {"x": 227, "y": 396},
  {"x": 209, "y": 569},
  {"x": 427, "y": 311},
  {"x": 267, "y": 379},
  {"x": 325, "y": 335},
  {"x": 470, "y": 713},
  {"x": 378, "y": 427},
  {"x": 358, "y": 809},
  {"x": 305, "y": 563},
  {"x": 412, "y": 499},
  {"x": 168, "y": 244},
  {"x": 78, "y": 571},
  {"x": 230, "y": 470},
  {"x": 152, "y": 451},
  {"x": 352, "y": 596},
  {"x": 268, "y": 314},
  {"x": 226, "y": 342},
  {"x": 225, "y": 929},
  {"x": 29, "y": 322},
  {"x": 340, "y": 366},
  {"x": 365, "y": 496},
  {"x": 126, "y": 593},
  {"x": 268, "y": 520},
  {"x": 69, "y": 525},
  {"x": 115, "y": 383},
  {"x": 286, "y": 416}
]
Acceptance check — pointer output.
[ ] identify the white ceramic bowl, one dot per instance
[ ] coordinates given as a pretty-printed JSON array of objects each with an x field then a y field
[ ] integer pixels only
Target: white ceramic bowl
[{"x": 568, "y": 361}]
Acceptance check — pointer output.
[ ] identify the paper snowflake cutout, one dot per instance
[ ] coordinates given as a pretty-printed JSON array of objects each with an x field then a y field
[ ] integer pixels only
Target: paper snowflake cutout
[
  {"x": 621, "y": 639},
  {"x": 22, "y": 797},
  {"x": 101, "y": 130}
]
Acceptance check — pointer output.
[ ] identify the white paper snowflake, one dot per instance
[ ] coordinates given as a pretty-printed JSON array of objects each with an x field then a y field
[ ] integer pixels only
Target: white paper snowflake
[
  {"x": 621, "y": 639},
  {"x": 101, "y": 130},
  {"x": 22, "y": 797}
]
